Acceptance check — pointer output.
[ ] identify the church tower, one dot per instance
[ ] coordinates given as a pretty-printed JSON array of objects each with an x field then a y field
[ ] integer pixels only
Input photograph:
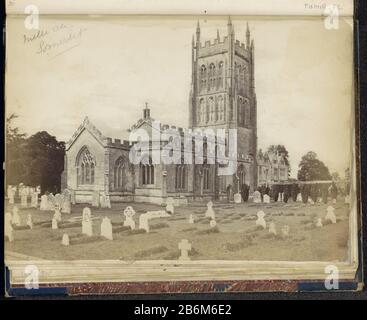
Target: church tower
[{"x": 223, "y": 95}]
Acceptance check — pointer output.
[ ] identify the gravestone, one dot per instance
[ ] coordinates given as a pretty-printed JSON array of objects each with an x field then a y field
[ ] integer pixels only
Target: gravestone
[
  {"x": 34, "y": 200},
  {"x": 210, "y": 213},
  {"x": 266, "y": 198},
  {"x": 272, "y": 228},
  {"x": 16, "y": 217},
  {"x": 129, "y": 213},
  {"x": 310, "y": 201},
  {"x": 319, "y": 223},
  {"x": 334, "y": 201},
  {"x": 144, "y": 222},
  {"x": 50, "y": 202},
  {"x": 170, "y": 205},
  {"x": 330, "y": 215},
  {"x": 299, "y": 197},
  {"x": 260, "y": 219},
  {"x": 24, "y": 198},
  {"x": 256, "y": 196},
  {"x": 213, "y": 223},
  {"x": 8, "y": 228},
  {"x": 185, "y": 247},
  {"x": 106, "y": 228},
  {"x": 237, "y": 198},
  {"x": 54, "y": 223},
  {"x": 57, "y": 214},
  {"x": 65, "y": 240},
  {"x": 105, "y": 200},
  {"x": 66, "y": 202},
  {"x": 44, "y": 203},
  {"x": 11, "y": 195},
  {"x": 191, "y": 219},
  {"x": 285, "y": 231},
  {"x": 87, "y": 224},
  {"x": 29, "y": 221},
  {"x": 347, "y": 199}
]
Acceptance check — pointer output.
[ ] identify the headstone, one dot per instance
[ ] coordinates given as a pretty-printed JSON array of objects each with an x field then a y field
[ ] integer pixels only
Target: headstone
[
  {"x": 185, "y": 247},
  {"x": 44, "y": 203},
  {"x": 285, "y": 231},
  {"x": 191, "y": 219},
  {"x": 34, "y": 200},
  {"x": 280, "y": 197},
  {"x": 260, "y": 219},
  {"x": 16, "y": 217},
  {"x": 334, "y": 201},
  {"x": 237, "y": 198},
  {"x": 170, "y": 205},
  {"x": 213, "y": 223},
  {"x": 66, "y": 202},
  {"x": 347, "y": 199},
  {"x": 24, "y": 198},
  {"x": 29, "y": 221},
  {"x": 65, "y": 240},
  {"x": 95, "y": 199},
  {"x": 144, "y": 222},
  {"x": 319, "y": 199},
  {"x": 266, "y": 198},
  {"x": 319, "y": 223},
  {"x": 106, "y": 228},
  {"x": 129, "y": 213},
  {"x": 11, "y": 195},
  {"x": 210, "y": 213},
  {"x": 57, "y": 214},
  {"x": 299, "y": 197},
  {"x": 256, "y": 197},
  {"x": 272, "y": 228},
  {"x": 310, "y": 201},
  {"x": 50, "y": 202},
  {"x": 330, "y": 215},
  {"x": 8, "y": 228},
  {"x": 87, "y": 224},
  {"x": 54, "y": 223},
  {"x": 105, "y": 200}
]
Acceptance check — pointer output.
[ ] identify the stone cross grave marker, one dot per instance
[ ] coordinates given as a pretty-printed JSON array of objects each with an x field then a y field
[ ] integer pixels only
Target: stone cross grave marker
[{"x": 185, "y": 247}]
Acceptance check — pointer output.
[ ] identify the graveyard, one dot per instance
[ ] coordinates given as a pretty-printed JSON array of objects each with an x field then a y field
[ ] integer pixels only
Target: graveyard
[{"x": 280, "y": 231}]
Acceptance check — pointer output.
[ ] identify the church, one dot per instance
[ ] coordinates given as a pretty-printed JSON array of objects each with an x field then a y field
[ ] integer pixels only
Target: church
[{"x": 222, "y": 96}]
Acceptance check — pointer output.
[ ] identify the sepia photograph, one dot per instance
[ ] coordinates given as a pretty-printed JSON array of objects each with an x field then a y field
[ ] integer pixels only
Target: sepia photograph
[{"x": 179, "y": 148}]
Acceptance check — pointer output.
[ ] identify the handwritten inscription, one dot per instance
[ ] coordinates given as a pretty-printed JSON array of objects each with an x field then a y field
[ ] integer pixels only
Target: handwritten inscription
[{"x": 55, "y": 40}]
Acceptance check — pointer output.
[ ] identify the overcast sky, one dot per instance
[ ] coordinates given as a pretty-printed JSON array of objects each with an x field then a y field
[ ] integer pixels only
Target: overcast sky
[{"x": 107, "y": 69}]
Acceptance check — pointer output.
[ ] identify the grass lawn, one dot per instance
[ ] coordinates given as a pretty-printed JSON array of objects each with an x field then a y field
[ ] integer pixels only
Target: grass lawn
[{"x": 235, "y": 237}]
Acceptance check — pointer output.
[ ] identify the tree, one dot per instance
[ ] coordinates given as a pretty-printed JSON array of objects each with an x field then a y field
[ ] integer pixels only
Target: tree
[
  {"x": 45, "y": 161},
  {"x": 14, "y": 151},
  {"x": 281, "y": 150},
  {"x": 312, "y": 169}
]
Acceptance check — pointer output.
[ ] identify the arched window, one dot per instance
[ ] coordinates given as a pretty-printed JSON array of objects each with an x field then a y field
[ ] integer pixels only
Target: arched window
[
  {"x": 85, "y": 166},
  {"x": 147, "y": 173},
  {"x": 220, "y": 103},
  {"x": 212, "y": 75},
  {"x": 180, "y": 181},
  {"x": 206, "y": 176},
  {"x": 203, "y": 76},
  {"x": 220, "y": 75},
  {"x": 240, "y": 111},
  {"x": 119, "y": 173},
  {"x": 246, "y": 107},
  {"x": 211, "y": 109},
  {"x": 241, "y": 175},
  {"x": 202, "y": 108}
]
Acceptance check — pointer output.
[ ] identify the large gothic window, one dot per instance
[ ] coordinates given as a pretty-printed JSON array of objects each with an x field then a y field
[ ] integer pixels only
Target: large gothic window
[
  {"x": 119, "y": 173},
  {"x": 211, "y": 109},
  {"x": 203, "y": 79},
  {"x": 202, "y": 108},
  {"x": 85, "y": 165},
  {"x": 180, "y": 181},
  {"x": 206, "y": 176},
  {"x": 220, "y": 75},
  {"x": 246, "y": 107},
  {"x": 220, "y": 103},
  {"x": 147, "y": 173},
  {"x": 211, "y": 83}
]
